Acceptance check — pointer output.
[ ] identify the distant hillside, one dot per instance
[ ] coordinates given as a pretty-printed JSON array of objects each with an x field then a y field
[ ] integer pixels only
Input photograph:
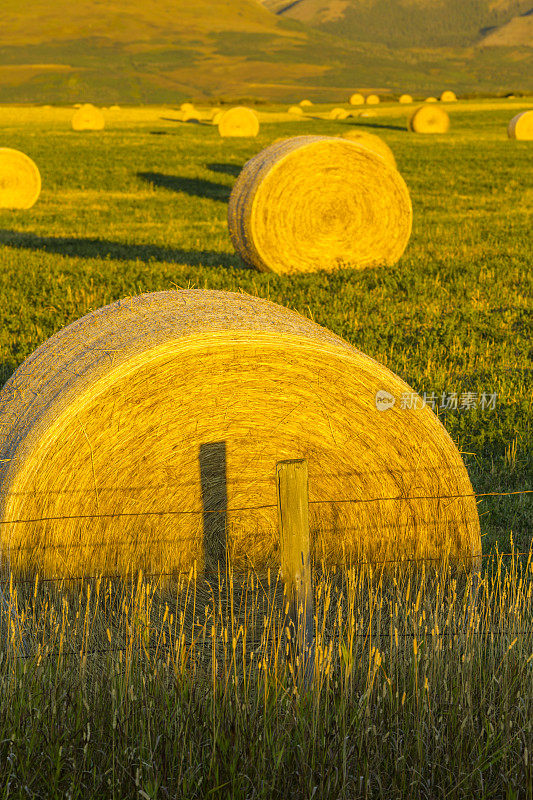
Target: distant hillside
[
  {"x": 404, "y": 23},
  {"x": 141, "y": 51},
  {"x": 518, "y": 32}
]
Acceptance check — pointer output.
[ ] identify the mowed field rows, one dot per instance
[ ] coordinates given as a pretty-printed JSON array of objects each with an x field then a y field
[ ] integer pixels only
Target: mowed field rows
[{"x": 142, "y": 205}]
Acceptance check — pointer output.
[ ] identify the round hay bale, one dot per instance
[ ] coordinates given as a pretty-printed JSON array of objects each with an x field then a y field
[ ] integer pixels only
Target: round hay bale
[
  {"x": 20, "y": 179},
  {"x": 405, "y": 98},
  {"x": 318, "y": 203},
  {"x": 298, "y": 110},
  {"x": 305, "y": 103},
  {"x": 238, "y": 121},
  {"x": 448, "y": 96},
  {"x": 521, "y": 126},
  {"x": 114, "y": 108},
  {"x": 149, "y": 431},
  {"x": 88, "y": 118},
  {"x": 372, "y": 100},
  {"x": 217, "y": 117},
  {"x": 373, "y": 143},
  {"x": 190, "y": 116},
  {"x": 429, "y": 119},
  {"x": 357, "y": 99},
  {"x": 338, "y": 113},
  {"x": 431, "y": 100},
  {"x": 187, "y": 107}
]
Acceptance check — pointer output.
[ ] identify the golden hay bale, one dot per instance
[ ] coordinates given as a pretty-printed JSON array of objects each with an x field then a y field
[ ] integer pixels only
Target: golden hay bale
[
  {"x": 305, "y": 103},
  {"x": 429, "y": 119},
  {"x": 114, "y": 108},
  {"x": 318, "y": 203},
  {"x": 88, "y": 118},
  {"x": 187, "y": 107},
  {"x": 371, "y": 142},
  {"x": 357, "y": 99},
  {"x": 372, "y": 100},
  {"x": 448, "y": 96},
  {"x": 298, "y": 110},
  {"x": 147, "y": 434},
  {"x": 20, "y": 180},
  {"x": 405, "y": 98},
  {"x": 521, "y": 126},
  {"x": 338, "y": 113},
  {"x": 238, "y": 121},
  {"x": 431, "y": 100},
  {"x": 217, "y": 117},
  {"x": 190, "y": 116}
]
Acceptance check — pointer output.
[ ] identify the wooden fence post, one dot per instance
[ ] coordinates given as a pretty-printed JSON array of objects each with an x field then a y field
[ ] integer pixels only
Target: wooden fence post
[{"x": 293, "y": 518}]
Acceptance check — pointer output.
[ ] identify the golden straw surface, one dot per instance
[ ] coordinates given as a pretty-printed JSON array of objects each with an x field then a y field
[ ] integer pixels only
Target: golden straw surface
[
  {"x": 142, "y": 435},
  {"x": 371, "y": 142},
  {"x": 521, "y": 126},
  {"x": 357, "y": 99},
  {"x": 405, "y": 98},
  {"x": 431, "y": 100},
  {"x": 339, "y": 113},
  {"x": 88, "y": 118},
  {"x": 20, "y": 179},
  {"x": 448, "y": 96},
  {"x": 306, "y": 103},
  {"x": 318, "y": 203},
  {"x": 429, "y": 119},
  {"x": 372, "y": 99},
  {"x": 238, "y": 121}
]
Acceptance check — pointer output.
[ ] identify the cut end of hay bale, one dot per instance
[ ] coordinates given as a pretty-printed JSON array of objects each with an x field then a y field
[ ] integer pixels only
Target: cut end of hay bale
[
  {"x": 431, "y": 100},
  {"x": 305, "y": 103},
  {"x": 88, "y": 118},
  {"x": 319, "y": 203},
  {"x": 20, "y": 180},
  {"x": 429, "y": 119},
  {"x": 372, "y": 100},
  {"x": 187, "y": 107},
  {"x": 371, "y": 142},
  {"x": 405, "y": 98},
  {"x": 166, "y": 454},
  {"x": 357, "y": 99},
  {"x": 448, "y": 96},
  {"x": 521, "y": 126},
  {"x": 238, "y": 121},
  {"x": 297, "y": 110}
]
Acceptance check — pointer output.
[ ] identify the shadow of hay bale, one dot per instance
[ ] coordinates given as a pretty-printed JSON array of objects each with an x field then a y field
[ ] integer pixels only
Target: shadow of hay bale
[{"x": 196, "y": 187}]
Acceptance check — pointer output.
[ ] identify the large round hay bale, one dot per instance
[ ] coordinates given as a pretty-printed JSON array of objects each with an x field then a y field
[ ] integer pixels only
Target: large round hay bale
[
  {"x": 148, "y": 433},
  {"x": 298, "y": 110},
  {"x": 238, "y": 121},
  {"x": 405, "y": 98},
  {"x": 521, "y": 126},
  {"x": 88, "y": 118},
  {"x": 371, "y": 142},
  {"x": 20, "y": 179},
  {"x": 338, "y": 113},
  {"x": 429, "y": 119},
  {"x": 357, "y": 99},
  {"x": 372, "y": 100},
  {"x": 305, "y": 103},
  {"x": 318, "y": 203},
  {"x": 448, "y": 96}
]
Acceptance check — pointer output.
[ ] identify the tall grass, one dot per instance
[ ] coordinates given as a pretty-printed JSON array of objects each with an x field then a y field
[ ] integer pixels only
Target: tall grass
[{"x": 422, "y": 688}]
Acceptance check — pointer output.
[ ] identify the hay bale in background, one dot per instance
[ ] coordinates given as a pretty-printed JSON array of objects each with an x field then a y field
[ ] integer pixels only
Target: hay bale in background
[
  {"x": 150, "y": 459},
  {"x": 217, "y": 117},
  {"x": 405, "y": 98},
  {"x": 238, "y": 121},
  {"x": 371, "y": 142},
  {"x": 88, "y": 118},
  {"x": 521, "y": 126},
  {"x": 318, "y": 202},
  {"x": 20, "y": 179},
  {"x": 191, "y": 115},
  {"x": 187, "y": 107},
  {"x": 448, "y": 96},
  {"x": 305, "y": 103},
  {"x": 338, "y": 113},
  {"x": 297, "y": 110},
  {"x": 372, "y": 100},
  {"x": 431, "y": 100},
  {"x": 429, "y": 119},
  {"x": 357, "y": 99}
]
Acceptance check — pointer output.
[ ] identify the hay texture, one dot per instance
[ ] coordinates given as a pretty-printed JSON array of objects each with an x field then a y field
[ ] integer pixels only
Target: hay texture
[
  {"x": 318, "y": 203},
  {"x": 448, "y": 96},
  {"x": 405, "y": 98},
  {"x": 238, "y": 121},
  {"x": 20, "y": 179},
  {"x": 372, "y": 100},
  {"x": 297, "y": 110},
  {"x": 429, "y": 119},
  {"x": 148, "y": 433},
  {"x": 338, "y": 113},
  {"x": 88, "y": 118},
  {"x": 431, "y": 100},
  {"x": 521, "y": 126},
  {"x": 187, "y": 107},
  {"x": 305, "y": 103},
  {"x": 357, "y": 99},
  {"x": 373, "y": 143}
]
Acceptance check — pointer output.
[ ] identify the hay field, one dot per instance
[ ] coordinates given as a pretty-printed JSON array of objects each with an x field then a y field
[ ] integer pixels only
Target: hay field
[{"x": 152, "y": 690}]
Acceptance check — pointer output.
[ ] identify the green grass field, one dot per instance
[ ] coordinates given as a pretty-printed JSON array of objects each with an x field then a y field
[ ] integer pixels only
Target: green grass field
[{"x": 142, "y": 207}]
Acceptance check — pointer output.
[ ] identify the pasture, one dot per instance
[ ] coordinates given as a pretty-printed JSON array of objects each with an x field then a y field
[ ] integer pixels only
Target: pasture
[{"x": 133, "y": 692}]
